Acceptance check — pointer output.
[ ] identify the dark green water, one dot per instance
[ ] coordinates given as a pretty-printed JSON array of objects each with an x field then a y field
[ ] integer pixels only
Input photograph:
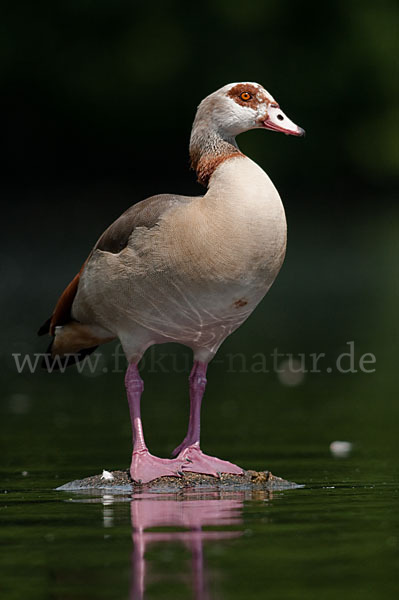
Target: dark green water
[{"x": 335, "y": 537}]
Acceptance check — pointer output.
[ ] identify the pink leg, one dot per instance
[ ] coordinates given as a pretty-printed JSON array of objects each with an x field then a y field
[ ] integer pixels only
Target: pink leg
[
  {"x": 144, "y": 466},
  {"x": 197, "y": 382},
  {"x": 189, "y": 451}
]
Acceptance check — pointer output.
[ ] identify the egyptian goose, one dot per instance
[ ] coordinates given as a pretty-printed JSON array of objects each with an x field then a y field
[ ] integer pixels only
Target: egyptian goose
[{"x": 184, "y": 269}]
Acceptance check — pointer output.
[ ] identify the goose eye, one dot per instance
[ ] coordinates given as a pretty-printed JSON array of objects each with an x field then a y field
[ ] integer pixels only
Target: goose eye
[{"x": 245, "y": 96}]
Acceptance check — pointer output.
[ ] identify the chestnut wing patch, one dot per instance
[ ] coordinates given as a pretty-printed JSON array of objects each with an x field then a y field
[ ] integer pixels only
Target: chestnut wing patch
[{"x": 62, "y": 310}]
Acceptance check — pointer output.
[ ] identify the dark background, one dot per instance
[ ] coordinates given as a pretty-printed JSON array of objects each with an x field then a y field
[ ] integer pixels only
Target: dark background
[
  {"x": 106, "y": 92},
  {"x": 99, "y": 98}
]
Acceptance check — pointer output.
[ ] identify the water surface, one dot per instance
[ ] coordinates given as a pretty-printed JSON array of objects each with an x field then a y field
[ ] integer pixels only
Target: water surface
[{"x": 337, "y": 536}]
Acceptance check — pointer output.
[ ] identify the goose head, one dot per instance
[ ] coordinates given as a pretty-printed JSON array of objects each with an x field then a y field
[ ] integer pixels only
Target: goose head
[{"x": 239, "y": 107}]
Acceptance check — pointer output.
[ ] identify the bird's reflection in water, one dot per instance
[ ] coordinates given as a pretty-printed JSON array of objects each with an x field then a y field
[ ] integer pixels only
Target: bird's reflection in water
[{"x": 190, "y": 514}]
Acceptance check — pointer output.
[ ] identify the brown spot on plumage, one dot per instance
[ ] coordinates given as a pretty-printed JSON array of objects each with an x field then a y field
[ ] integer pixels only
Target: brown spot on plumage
[{"x": 240, "y": 303}]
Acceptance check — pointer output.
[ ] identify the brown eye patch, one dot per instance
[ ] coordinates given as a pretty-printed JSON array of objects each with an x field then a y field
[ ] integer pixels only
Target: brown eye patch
[{"x": 246, "y": 94}]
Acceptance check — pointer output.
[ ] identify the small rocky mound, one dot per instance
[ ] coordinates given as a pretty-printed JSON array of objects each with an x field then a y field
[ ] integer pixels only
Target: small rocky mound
[{"x": 122, "y": 482}]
